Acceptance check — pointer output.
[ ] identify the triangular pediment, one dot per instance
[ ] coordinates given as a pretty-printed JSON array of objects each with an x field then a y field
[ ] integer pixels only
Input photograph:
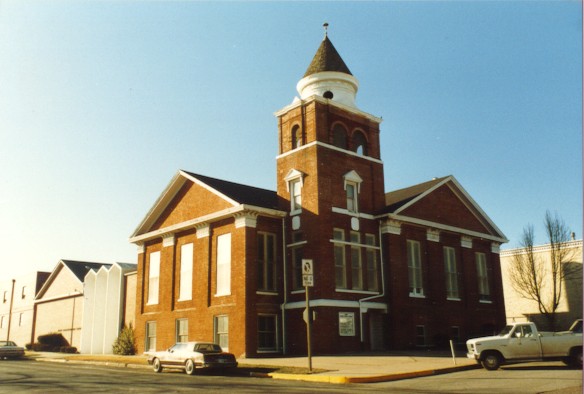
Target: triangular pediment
[
  {"x": 445, "y": 203},
  {"x": 190, "y": 196}
]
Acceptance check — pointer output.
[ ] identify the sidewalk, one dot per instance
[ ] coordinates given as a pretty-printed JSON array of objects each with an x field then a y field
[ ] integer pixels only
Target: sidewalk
[{"x": 338, "y": 369}]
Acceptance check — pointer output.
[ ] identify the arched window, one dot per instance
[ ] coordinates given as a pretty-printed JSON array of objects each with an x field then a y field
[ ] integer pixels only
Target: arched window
[
  {"x": 296, "y": 137},
  {"x": 359, "y": 143},
  {"x": 339, "y": 136}
]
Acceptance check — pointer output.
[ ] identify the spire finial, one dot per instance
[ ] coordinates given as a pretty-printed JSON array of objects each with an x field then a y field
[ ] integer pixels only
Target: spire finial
[{"x": 325, "y": 25}]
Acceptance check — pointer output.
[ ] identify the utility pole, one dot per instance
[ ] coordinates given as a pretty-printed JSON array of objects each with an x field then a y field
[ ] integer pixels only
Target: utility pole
[{"x": 10, "y": 310}]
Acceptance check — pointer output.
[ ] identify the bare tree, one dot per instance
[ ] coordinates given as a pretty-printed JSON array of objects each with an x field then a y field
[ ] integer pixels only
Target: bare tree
[{"x": 542, "y": 280}]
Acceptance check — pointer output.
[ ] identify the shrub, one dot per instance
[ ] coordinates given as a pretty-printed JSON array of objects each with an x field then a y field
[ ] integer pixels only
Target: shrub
[
  {"x": 53, "y": 342},
  {"x": 125, "y": 343}
]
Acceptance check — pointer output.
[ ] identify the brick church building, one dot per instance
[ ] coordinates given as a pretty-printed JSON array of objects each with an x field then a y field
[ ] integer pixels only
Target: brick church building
[{"x": 221, "y": 261}]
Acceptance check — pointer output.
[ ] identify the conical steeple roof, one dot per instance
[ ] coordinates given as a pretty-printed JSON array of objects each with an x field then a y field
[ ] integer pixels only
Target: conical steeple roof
[{"x": 327, "y": 59}]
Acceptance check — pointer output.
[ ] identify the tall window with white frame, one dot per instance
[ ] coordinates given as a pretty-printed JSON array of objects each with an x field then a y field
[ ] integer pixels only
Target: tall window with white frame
[
  {"x": 340, "y": 260},
  {"x": 451, "y": 274},
  {"x": 186, "y": 272},
  {"x": 351, "y": 189},
  {"x": 150, "y": 336},
  {"x": 153, "y": 278},
  {"x": 221, "y": 326},
  {"x": 267, "y": 333},
  {"x": 266, "y": 261},
  {"x": 182, "y": 330},
  {"x": 295, "y": 196},
  {"x": 483, "y": 277},
  {"x": 415, "y": 268},
  {"x": 223, "y": 265},
  {"x": 371, "y": 261},
  {"x": 356, "y": 262}
]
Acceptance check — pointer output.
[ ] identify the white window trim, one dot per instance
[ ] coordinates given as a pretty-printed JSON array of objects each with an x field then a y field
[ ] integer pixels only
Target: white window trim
[
  {"x": 153, "y": 292},
  {"x": 353, "y": 179},
  {"x": 294, "y": 176},
  {"x": 223, "y": 277},
  {"x": 185, "y": 288}
]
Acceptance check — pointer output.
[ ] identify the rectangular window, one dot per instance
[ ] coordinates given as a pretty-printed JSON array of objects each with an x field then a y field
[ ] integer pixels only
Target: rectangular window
[
  {"x": 340, "y": 261},
  {"x": 186, "y": 272},
  {"x": 182, "y": 330},
  {"x": 415, "y": 268},
  {"x": 351, "y": 197},
  {"x": 356, "y": 264},
  {"x": 372, "y": 267},
  {"x": 295, "y": 195},
  {"x": 223, "y": 265},
  {"x": 483, "y": 277},
  {"x": 297, "y": 255},
  {"x": 421, "y": 336},
  {"x": 222, "y": 331},
  {"x": 153, "y": 277},
  {"x": 150, "y": 345},
  {"x": 266, "y": 262},
  {"x": 267, "y": 333},
  {"x": 451, "y": 273}
]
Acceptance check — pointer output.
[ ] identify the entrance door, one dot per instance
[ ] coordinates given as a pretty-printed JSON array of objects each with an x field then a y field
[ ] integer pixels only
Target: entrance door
[{"x": 376, "y": 331}]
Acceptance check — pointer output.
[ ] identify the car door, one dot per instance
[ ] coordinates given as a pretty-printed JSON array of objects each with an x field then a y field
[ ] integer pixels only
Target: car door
[{"x": 525, "y": 343}]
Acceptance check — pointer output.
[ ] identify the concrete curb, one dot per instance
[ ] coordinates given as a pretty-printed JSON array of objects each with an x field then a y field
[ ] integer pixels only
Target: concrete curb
[{"x": 363, "y": 379}]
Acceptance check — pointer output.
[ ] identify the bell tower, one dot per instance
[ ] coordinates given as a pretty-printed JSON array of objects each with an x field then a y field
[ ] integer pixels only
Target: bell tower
[{"x": 329, "y": 173}]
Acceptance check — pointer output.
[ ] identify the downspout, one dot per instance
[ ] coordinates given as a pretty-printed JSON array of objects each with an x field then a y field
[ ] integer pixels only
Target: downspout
[
  {"x": 285, "y": 288},
  {"x": 10, "y": 310},
  {"x": 374, "y": 296}
]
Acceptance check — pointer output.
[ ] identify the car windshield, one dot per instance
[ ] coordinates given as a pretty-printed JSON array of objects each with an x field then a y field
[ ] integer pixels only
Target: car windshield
[
  {"x": 207, "y": 348},
  {"x": 505, "y": 331},
  {"x": 7, "y": 343}
]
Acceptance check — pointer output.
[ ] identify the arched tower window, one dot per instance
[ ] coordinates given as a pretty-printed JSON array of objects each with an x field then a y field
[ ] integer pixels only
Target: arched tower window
[
  {"x": 296, "y": 137},
  {"x": 339, "y": 136},
  {"x": 359, "y": 143}
]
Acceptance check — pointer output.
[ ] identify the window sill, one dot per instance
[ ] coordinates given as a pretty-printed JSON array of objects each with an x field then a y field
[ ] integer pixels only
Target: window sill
[
  {"x": 269, "y": 293},
  {"x": 357, "y": 291},
  {"x": 222, "y": 295},
  {"x": 184, "y": 299},
  {"x": 453, "y": 299},
  {"x": 414, "y": 295},
  {"x": 300, "y": 291},
  {"x": 485, "y": 302}
]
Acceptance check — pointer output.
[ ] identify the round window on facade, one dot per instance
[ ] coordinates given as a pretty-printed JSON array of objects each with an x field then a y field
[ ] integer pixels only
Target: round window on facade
[{"x": 328, "y": 94}]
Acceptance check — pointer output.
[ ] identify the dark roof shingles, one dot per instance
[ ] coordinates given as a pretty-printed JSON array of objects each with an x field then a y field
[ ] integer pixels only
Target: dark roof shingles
[{"x": 327, "y": 59}]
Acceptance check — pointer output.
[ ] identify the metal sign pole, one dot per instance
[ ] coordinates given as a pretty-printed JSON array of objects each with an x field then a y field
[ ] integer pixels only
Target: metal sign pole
[{"x": 308, "y": 324}]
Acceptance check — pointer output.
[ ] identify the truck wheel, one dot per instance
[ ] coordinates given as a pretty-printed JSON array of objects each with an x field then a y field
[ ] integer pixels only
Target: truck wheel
[
  {"x": 576, "y": 358},
  {"x": 491, "y": 361}
]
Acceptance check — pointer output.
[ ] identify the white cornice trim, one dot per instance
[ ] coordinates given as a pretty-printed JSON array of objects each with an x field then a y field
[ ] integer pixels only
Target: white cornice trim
[
  {"x": 213, "y": 217},
  {"x": 298, "y": 102},
  {"x": 332, "y": 147},
  {"x": 336, "y": 304},
  {"x": 541, "y": 248},
  {"x": 445, "y": 227}
]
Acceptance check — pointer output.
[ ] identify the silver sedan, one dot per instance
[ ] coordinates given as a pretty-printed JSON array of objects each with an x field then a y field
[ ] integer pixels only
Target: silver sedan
[
  {"x": 191, "y": 356},
  {"x": 9, "y": 349}
]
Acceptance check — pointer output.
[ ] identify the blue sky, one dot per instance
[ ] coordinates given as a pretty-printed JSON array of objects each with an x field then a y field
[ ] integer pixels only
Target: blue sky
[{"x": 101, "y": 102}]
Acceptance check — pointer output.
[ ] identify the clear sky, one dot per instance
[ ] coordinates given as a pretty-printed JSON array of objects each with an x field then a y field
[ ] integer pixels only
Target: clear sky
[{"x": 101, "y": 102}]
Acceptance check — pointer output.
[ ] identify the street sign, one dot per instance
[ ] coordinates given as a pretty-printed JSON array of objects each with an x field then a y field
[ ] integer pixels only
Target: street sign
[
  {"x": 307, "y": 277},
  {"x": 307, "y": 267}
]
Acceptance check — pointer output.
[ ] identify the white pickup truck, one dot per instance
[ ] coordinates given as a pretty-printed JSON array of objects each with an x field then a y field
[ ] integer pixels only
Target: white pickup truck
[{"x": 523, "y": 342}]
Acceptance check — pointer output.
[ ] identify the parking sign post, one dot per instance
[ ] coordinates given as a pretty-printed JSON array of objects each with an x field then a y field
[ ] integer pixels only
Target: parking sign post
[{"x": 308, "y": 281}]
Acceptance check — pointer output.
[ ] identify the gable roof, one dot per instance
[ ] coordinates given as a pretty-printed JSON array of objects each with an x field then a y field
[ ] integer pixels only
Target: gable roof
[
  {"x": 327, "y": 59},
  {"x": 237, "y": 195},
  {"x": 78, "y": 268},
  {"x": 400, "y": 200}
]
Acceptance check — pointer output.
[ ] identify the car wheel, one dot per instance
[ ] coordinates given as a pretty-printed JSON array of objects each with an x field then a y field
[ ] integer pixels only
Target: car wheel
[
  {"x": 190, "y": 367},
  {"x": 156, "y": 365},
  {"x": 576, "y": 358},
  {"x": 491, "y": 361}
]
